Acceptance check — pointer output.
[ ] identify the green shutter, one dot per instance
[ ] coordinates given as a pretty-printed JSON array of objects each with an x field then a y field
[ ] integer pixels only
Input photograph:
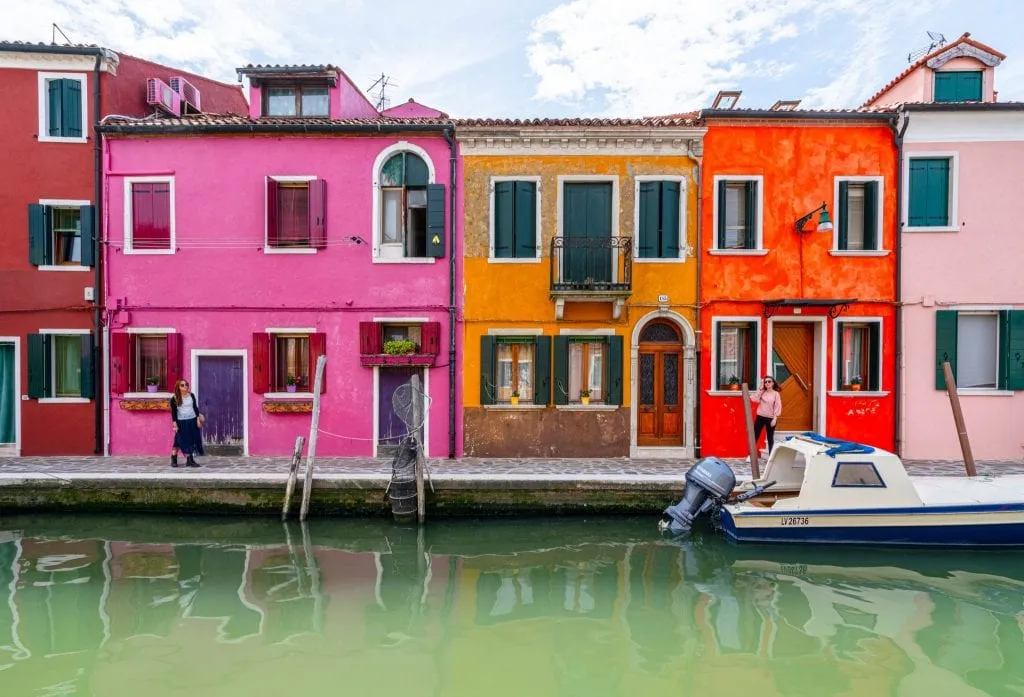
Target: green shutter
[
  {"x": 872, "y": 204},
  {"x": 648, "y": 223},
  {"x": 840, "y": 354},
  {"x": 969, "y": 86},
  {"x": 542, "y": 371},
  {"x": 917, "y": 194},
  {"x": 752, "y": 339},
  {"x": 750, "y": 188},
  {"x": 874, "y": 356},
  {"x": 720, "y": 233},
  {"x": 487, "y": 386},
  {"x": 945, "y": 87},
  {"x": 613, "y": 378},
  {"x": 1014, "y": 356},
  {"x": 945, "y": 345},
  {"x": 71, "y": 109},
  {"x": 435, "y": 220},
  {"x": 415, "y": 170},
  {"x": 670, "y": 220},
  {"x": 844, "y": 215},
  {"x": 526, "y": 220},
  {"x": 39, "y": 241},
  {"x": 504, "y": 220},
  {"x": 87, "y": 380},
  {"x": 53, "y": 110},
  {"x": 38, "y": 366},
  {"x": 938, "y": 193},
  {"x": 87, "y": 219},
  {"x": 561, "y": 360}
]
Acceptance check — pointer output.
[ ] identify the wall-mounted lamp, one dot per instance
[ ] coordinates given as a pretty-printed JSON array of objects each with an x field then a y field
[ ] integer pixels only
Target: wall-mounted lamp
[{"x": 824, "y": 221}]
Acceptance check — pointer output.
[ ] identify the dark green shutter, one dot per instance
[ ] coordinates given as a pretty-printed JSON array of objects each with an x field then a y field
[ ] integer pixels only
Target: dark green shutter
[
  {"x": 1014, "y": 356},
  {"x": 87, "y": 218},
  {"x": 87, "y": 380},
  {"x": 969, "y": 86},
  {"x": 561, "y": 361},
  {"x": 504, "y": 220},
  {"x": 945, "y": 345},
  {"x": 872, "y": 204},
  {"x": 918, "y": 194},
  {"x": 415, "y": 172},
  {"x": 1003, "y": 367},
  {"x": 648, "y": 232},
  {"x": 752, "y": 340},
  {"x": 435, "y": 220},
  {"x": 840, "y": 355},
  {"x": 717, "y": 358},
  {"x": 874, "y": 356},
  {"x": 750, "y": 189},
  {"x": 669, "y": 220},
  {"x": 723, "y": 187},
  {"x": 938, "y": 193},
  {"x": 945, "y": 87},
  {"x": 38, "y": 366},
  {"x": 487, "y": 385},
  {"x": 613, "y": 393},
  {"x": 542, "y": 371},
  {"x": 71, "y": 109},
  {"x": 526, "y": 220},
  {"x": 38, "y": 235},
  {"x": 53, "y": 95},
  {"x": 844, "y": 215}
]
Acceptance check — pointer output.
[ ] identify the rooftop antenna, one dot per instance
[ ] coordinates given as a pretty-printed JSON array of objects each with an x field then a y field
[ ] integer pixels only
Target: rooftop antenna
[
  {"x": 53, "y": 34},
  {"x": 381, "y": 84},
  {"x": 937, "y": 40}
]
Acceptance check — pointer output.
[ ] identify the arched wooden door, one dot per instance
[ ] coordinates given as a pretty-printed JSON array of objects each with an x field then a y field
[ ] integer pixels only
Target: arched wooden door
[{"x": 660, "y": 386}]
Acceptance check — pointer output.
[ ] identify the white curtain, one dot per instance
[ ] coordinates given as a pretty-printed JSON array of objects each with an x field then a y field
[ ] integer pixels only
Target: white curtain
[
  {"x": 575, "y": 371},
  {"x": 977, "y": 350},
  {"x": 7, "y": 403}
]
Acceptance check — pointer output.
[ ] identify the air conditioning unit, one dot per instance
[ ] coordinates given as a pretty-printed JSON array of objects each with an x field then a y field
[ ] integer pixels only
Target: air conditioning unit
[
  {"x": 189, "y": 93},
  {"x": 160, "y": 94}
]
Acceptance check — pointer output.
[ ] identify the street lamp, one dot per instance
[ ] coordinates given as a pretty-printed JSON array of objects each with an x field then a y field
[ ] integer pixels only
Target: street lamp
[{"x": 824, "y": 221}]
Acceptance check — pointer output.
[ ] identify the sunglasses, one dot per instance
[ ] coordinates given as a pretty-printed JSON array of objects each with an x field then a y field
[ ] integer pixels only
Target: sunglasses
[{"x": 182, "y": 384}]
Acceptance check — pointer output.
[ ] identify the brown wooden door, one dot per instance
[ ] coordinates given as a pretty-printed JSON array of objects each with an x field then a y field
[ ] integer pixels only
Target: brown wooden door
[
  {"x": 660, "y": 396},
  {"x": 793, "y": 348}
]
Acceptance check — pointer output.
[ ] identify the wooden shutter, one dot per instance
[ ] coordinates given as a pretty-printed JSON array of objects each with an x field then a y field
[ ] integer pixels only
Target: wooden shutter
[
  {"x": 71, "y": 109},
  {"x": 750, "y": 189},
  {"x": 945, "y": 87},
  {"x": 670, "y": 223},
  {"x": 945, "y": 345},
  {"x": 969, "y": 87},
  {"x": 120, "y": 362},
  {"x": 370, "y": 338},
  {"x": 917, "y": 193},
  {"x": 872, "y": 204},
  {"x": 560, "y": 358},
  {"x": 874, "y": 356},
  {"x": 937, "y": 201},
  {"x": 487, "y": 386},
  {"x": 430, "y": 335},
  {"x": 317, "y": 348},
  {"x": 613, "y": 376},
  {"x": 435, "y": 220},
  {"x": 87, "y": 381},
  {"x": 318, "y": 214},
  {"x": 504, "y": 220},
  {"x": 261, "y": 364},
  {"x": 542, "y": 370},
  {"x": 142, "y": 214},
  {"x": 1014, "y": 356},
  {"x": 38, "y": 366},
  {"x": 87, "y": 217},
  {"x": 175, "y": 364},
  {"x": 526, "y": 220},
  {"x": 723, "y": 187},
  {"x": 39, "y": 241},
  {"x": 53, "y": 95},
  {"x": 273, "y": 228},
  {"x": 840, "y": 355},
  {"x": 844, "y": 215},
  {"x": 648, "y": 222}
]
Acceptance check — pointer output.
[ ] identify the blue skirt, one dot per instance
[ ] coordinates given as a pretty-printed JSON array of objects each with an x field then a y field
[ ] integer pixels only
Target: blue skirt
[{"x": 189, "y": 439}]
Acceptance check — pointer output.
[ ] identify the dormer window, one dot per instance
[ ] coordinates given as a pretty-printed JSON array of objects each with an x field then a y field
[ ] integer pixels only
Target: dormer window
[
  {"x": 296, "y": 100},
  {"x": 958, "y": 86}
]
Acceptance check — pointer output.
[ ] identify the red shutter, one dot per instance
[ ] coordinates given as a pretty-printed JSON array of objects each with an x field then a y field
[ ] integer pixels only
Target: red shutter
[
  {"x": 120, "y": 362},
  {"x": 430, "y": 333},
  {"x": 261, "y": 362},
  {"x": 175, "y": 367},
  {"x": 318, "y": 214},
  {"x": 142, "y": 215},
  {"x": 369, "y": 338},
  {"x": 273, "y": 231},
  {"x": 317, "y": 348}
]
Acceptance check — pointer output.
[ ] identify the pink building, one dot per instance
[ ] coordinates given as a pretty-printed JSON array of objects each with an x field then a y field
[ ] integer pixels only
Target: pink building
[
  {"x": 961, "y": 291},
  {"x": 240, "y": 248}
]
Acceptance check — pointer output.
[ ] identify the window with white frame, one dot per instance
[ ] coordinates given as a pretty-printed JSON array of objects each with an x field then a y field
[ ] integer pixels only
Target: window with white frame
[
  {"x": 63, "y": 114},
  {"x": 411, "y": 212},
  {"x": 60, "y": 234},
  {"x": 149, "y": 215},
  {"x": 60, "y": 365},
  {"x": 930, "y": 199},
  {"x": 738, "y": 213},
  {"x": 284, "y": 360},
  {"x": 296, "y": 213},
  {"x": 858, "y": 212},
  {"x": 735, "y": 353},
  {"x": 858, "y": 352},
  {"x": 985, "y": 348}
]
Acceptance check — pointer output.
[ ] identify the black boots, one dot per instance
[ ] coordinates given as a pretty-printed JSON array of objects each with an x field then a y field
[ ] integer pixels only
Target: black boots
[
  {"x": 191, "y": 462},
  {"x": 174, "y": 461}
]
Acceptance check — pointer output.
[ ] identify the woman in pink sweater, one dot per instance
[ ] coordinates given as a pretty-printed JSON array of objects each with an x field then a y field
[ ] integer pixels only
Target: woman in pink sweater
[{"x": 769, "y": 408}]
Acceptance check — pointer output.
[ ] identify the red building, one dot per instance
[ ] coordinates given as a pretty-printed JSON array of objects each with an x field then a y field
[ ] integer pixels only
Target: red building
[{"x": 52, "y": 209}]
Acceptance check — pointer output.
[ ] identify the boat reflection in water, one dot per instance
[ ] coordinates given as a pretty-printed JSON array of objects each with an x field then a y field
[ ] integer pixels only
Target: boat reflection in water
[{"x": 99, "y": 606}]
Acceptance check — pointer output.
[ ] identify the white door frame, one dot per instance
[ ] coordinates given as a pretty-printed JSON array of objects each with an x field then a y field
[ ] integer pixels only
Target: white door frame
[
  {"x": 820, "y": 371},
  {"x": 376, "y": 410},
  {"x": 7, "y": 450},
  {"x": 244, "y": 355},
  {"x": 689, "y": 387}
]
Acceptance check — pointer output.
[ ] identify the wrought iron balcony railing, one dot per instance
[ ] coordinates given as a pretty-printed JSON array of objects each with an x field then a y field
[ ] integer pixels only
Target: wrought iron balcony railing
[{"x": 597, "y": 265}]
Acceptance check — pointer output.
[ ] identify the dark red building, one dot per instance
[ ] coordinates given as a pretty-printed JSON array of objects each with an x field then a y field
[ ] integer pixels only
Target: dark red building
[{"x": 52, "y": 228}]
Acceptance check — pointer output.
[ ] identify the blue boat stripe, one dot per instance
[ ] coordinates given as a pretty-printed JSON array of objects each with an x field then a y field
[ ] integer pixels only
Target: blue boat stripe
[{"x": 917, "y": 510}]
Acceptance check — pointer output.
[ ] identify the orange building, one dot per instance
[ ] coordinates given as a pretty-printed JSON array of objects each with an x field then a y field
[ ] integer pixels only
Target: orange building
[{"x": 798, "y": 273}]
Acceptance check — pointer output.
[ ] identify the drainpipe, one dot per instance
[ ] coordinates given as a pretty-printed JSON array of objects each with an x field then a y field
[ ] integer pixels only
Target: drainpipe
[
  {"x": 449, "y": 136},
  {"x": 97, "y": 304},
  {"x": 697, "y": 161},
  {"x": 897, "y": 136}
]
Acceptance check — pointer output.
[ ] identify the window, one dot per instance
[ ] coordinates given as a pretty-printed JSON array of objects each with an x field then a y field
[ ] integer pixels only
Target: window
[
  {"x": 515, "y": 364},
  {"x": 296, "y": 213},
  {"x": 411, "y": 210},
  {"x": 399, "y": 343},
  {"x": 858, "y": 216},
  {"x": 858, "y": 352},
  {"x": 857, "y": 474},
  {"x": 958, "y": 86},
  {"x": 149, "y": 216},
  {"x": 514, "y": 235},
  {"x": 737, "y": 204},
  {"x": 60, "y": 365},
  {"x": 515, "y": 367},
  {"x": 285, "y": 357},
  {"x": 296, "y": 100},
  {"x": 60, "y": 234},
  {"x": 145, "y": 361},
  {"x": 985, "y": 349},
  {"x": 588, "y": 366},
  {"x": 62, "y": 107},
  {"x": 929, "y": 199},
  {"x": 735, "y": 353},
  {"x": 291, "y": 365},
  {"x": 658, "y": 220}
]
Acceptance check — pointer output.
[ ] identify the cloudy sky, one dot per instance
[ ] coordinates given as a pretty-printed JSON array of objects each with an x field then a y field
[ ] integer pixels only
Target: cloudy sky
[{"x": 545, "y": 57}]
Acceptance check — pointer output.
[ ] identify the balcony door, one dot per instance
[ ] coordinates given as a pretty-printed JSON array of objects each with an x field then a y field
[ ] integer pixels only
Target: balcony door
[
  {"x": 586, "y": 232},
  {"x": 660, "y": 386}
]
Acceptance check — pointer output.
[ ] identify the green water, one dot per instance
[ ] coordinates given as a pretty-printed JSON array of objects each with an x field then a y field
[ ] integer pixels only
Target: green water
[{"x": 154, "y": 607}]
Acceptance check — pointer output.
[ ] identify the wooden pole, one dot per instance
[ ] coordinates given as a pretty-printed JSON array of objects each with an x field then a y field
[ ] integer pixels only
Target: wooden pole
[
  {"x": 958, "y": 419},
  {"x": 314, "y": 427},
  {"x": 748, "y": 419},
  {"x": 292, "y": 475},
  {"x": 313, "y": 573},
  {"x": 417, "y": 418}
]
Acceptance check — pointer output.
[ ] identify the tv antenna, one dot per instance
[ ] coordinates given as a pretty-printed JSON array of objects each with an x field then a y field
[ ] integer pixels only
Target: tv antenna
[
  {"x": 53, "y": 34},
  {"x": 381, "y": 84},
  {"x": 937, "y": 40}
]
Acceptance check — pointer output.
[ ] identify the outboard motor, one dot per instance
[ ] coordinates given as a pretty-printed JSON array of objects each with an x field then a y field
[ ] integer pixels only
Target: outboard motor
[{"x": 708, "y": 483}]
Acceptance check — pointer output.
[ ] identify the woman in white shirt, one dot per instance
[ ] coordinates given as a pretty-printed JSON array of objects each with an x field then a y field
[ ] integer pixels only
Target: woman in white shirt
[{"x": 186, "y": 420}]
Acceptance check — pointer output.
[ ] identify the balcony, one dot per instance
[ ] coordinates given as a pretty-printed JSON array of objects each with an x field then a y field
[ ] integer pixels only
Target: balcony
[{"x": 591, "y": 269}]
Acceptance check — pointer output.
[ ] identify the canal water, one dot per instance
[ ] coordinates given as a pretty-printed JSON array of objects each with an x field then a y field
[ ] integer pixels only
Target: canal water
[{"x": 161, "y": 606}]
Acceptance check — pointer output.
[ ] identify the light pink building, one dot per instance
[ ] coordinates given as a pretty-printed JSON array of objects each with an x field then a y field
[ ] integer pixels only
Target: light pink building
[
  {"x": 961, "y": 286},
  {"x": 240, "y": 248}
]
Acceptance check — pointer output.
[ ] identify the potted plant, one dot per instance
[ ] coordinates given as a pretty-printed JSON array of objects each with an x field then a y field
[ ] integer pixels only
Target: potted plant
[
  {"x": 734, "y": 383},
  {"x": 515, "y": 398},
  {"x": 292, "y": 383},
  {"x": 399, "y": 347},
  {"x": 855, "y": 382},
  {"x": 152, "y": 383},
  {"x": 584, "y": 396}
]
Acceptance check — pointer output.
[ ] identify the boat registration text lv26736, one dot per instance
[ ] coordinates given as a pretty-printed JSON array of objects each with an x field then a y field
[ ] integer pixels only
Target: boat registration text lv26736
[{"x": 794, "y": 520}]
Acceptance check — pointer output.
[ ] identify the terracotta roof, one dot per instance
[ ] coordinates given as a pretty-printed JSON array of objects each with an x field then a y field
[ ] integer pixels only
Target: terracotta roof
[
  {"x": 259, "y": 68},
  {"x": 673, "y": 121},
  {"x": 964, "y": 39},
  {"x": 14, "y": 45},
  {"x": 214, "y": 122},
  {"x": 757, "y": 113}
]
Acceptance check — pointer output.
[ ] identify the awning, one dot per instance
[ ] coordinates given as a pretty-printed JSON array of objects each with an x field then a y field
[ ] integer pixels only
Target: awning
[{"x": 836, "y": 306}]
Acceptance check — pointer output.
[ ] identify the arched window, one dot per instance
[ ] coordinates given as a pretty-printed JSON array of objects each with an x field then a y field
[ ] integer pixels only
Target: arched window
[
  {"x": 403, "y": 186},
  {"x": 661, "y": 332}
]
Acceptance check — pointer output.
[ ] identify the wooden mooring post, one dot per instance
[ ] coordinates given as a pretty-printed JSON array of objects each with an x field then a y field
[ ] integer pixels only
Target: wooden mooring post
[
  {"x": 314, "y": 427},
  {"x": 292, "y": 476},
  {"x": 417, "y": 418},
  {"x": 958, "y": 419},
  {"x": 748, "y": 420}
]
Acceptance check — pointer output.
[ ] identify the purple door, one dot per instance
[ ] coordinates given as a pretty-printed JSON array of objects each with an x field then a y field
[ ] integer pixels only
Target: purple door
[
  {"x": 391, "y": 429},
  {"x": 220, "y": 389}
]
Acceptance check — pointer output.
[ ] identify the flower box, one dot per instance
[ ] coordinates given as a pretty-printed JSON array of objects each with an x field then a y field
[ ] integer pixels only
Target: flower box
[{"x": 408, "y": 359}]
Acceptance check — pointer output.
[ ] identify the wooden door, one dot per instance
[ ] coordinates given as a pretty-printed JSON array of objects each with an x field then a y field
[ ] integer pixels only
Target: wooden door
[
  {"x": 660, "y": 387},
  {"x": 220, "y": 386},
  {"x": 793, "y": 360},
  {"x": 391, "y": 430}
]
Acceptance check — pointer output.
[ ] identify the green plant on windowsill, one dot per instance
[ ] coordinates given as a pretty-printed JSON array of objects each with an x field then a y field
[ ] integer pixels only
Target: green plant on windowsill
[
  {"x": 584, "y": 396},
  {"x": 399, "y": 347},
  {"x": 855, "y": 383},
  {"x": 152, "y": 383},
  {"x": 734, "y": 383},
  {"x": 514, "y": 400}
]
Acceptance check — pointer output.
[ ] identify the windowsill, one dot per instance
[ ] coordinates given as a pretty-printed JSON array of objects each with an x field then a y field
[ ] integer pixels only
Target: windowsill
[
  {"x": 738, "y": 252},
  {"x": 514, "y": 407},
  {"x": 288, "y": 395},
  {"x": 147, "y": 395},
  {"x": 983, "y": 392},
  {"x": 67, "y": 267},
  {"x": 859, "y": 252},
  {"x": 404, "y": 260},
  {"x": 59, "y": 139},
  {"x": 290, "y": 250},
  {"x": 650, "y": 260},
  {"x": 63, "y": 400},
  {"x": 508, "y": 260},
  {"x": 586, "y": 407},
  {"x": 146, "y": 252},
  {"x": 857, "y": 393},
  {"x": 728, "y": 393},
  {"x": 937, "y": 228}
]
